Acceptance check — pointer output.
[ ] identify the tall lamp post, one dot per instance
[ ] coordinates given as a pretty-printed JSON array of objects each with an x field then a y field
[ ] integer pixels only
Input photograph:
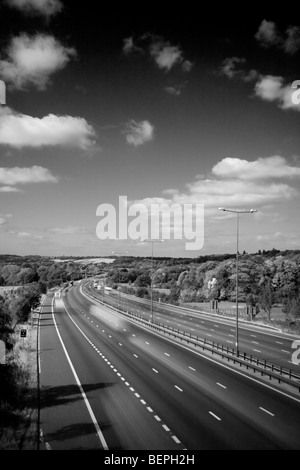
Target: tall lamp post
[
  {"x": 237, "y": 212},
  {"x": 120, "y": 253},
  {"x": 152, "y": 241}
]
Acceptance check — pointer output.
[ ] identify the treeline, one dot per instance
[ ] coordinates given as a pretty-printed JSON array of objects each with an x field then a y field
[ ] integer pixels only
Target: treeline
[
  {"x": 265, "y": 278},
  {"x": 46, "y": 272}
]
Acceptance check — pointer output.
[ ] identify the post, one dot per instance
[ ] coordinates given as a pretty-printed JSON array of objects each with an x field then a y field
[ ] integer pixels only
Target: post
[
  {"x": 237, "y": 286},
  {"x": 2, "y": 93},
  {"x": 152, "y": 283},
  {"x": 119, "y": 270},
  {"x": 119, "y": 290},
  {"x": 238, "y": 212},
  {"x": 152, "y": 269}
]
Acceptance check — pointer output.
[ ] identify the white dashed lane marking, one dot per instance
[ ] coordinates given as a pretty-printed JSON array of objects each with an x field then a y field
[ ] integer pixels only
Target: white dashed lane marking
[
  {"x": 215, "y": 416},
  {"x": 221, "y": 385},
  {"x": 266, "y": 411},
  {"x": 143, "y": 402}
]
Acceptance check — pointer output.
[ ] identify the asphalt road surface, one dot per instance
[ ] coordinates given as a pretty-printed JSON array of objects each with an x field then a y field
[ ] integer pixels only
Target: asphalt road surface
[
  {"x": 107, "y": 383},
  {"x": 261, "y": 342}
]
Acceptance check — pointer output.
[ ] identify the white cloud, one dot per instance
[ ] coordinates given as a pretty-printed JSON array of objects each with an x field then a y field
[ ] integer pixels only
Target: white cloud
[
  {"x": 17, "y": 175},
  {"x": 31, "y": 60},
  {"x": 129, "y": 46},
  {"x": 173, "y": 90},
  {"x": 43, "y": 7},
  {"x": 9, "y": 189},
  {"x": 176, "y": 89},
  {"x": 215, "y": 193},
  {"x": 137, "y": 133},
  {"x": 187, "y": 66},
  {"x": 292, "y": 42},
  {"x": 268, "y": 35},
  {"x": 271, "y": 88},
  {"x": 267, "y": 87},
  {"x": 165, "y": 55},
  {"x": 230, "y": 187},
  {"x": 289, "y": 238},
  {"x": 262, "y": 168},
  {"x": 231, "y": 68},
  {"x": 20, "y": 130},
  {"x": 24, "y": 234},
  {"x": 69, "y": 230}
]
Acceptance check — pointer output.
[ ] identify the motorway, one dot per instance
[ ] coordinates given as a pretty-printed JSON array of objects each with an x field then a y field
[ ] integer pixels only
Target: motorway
[
  {"x": 261, "y": 342},
  {"x": 108, "y": 383}
]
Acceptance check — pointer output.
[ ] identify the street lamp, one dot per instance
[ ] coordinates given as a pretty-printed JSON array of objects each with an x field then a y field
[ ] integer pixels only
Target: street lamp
[
  {"x": 152, "y": 241},
  {"x": 119, "y": 269},
  {"x": 251, "y": 211}
]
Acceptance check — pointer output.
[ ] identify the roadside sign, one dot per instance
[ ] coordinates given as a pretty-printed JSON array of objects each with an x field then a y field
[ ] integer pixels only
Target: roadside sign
[{"x": 23, "y": 333}]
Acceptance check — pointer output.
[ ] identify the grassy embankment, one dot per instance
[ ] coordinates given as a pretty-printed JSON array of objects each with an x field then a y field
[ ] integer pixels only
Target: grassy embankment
[{"x": 19, "y": 393}]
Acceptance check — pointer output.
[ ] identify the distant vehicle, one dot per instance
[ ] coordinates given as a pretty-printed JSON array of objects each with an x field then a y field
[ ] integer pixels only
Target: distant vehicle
[{"x": 107, "y": 290}]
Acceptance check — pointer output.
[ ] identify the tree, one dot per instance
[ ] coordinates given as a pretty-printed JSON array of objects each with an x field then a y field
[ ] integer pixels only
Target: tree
[
  {"x": 287, "y": 280},
  {"x": 266, "y": 298},
  {"x": 142, "y": 292},
  {"x": 20, "y": 309},
  {"x": 5, "y": 321},
  {"x": 143, "y": 280},
  {"x": 292, "y": 308},
  {"x": 174, "y": 293}
]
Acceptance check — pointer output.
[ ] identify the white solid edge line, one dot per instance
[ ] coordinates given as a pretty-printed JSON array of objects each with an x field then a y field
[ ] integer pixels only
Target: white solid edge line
[{"x": 89, "y": 408}]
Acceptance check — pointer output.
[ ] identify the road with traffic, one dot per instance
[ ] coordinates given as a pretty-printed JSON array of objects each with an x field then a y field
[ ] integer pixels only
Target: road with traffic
[
  {"x": 108, "y": 383},
  {"x": 259, "y": 340}
]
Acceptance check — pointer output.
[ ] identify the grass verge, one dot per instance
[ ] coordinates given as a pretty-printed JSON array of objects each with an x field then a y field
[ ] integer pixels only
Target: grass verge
[{"x": 19, "y": 393}]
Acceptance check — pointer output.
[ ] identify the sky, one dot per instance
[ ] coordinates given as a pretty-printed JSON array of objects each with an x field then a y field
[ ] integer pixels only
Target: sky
[{"x": 184, "y": 108}]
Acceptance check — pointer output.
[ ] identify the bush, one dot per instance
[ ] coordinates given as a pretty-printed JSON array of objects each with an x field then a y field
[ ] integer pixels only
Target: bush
[{"x": 142, "y": 292}]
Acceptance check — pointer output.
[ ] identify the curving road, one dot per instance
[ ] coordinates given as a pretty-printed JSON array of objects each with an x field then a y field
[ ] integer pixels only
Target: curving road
[
  {"x": 143, "y": 391},
  {"x": 261, "y": 342}
]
